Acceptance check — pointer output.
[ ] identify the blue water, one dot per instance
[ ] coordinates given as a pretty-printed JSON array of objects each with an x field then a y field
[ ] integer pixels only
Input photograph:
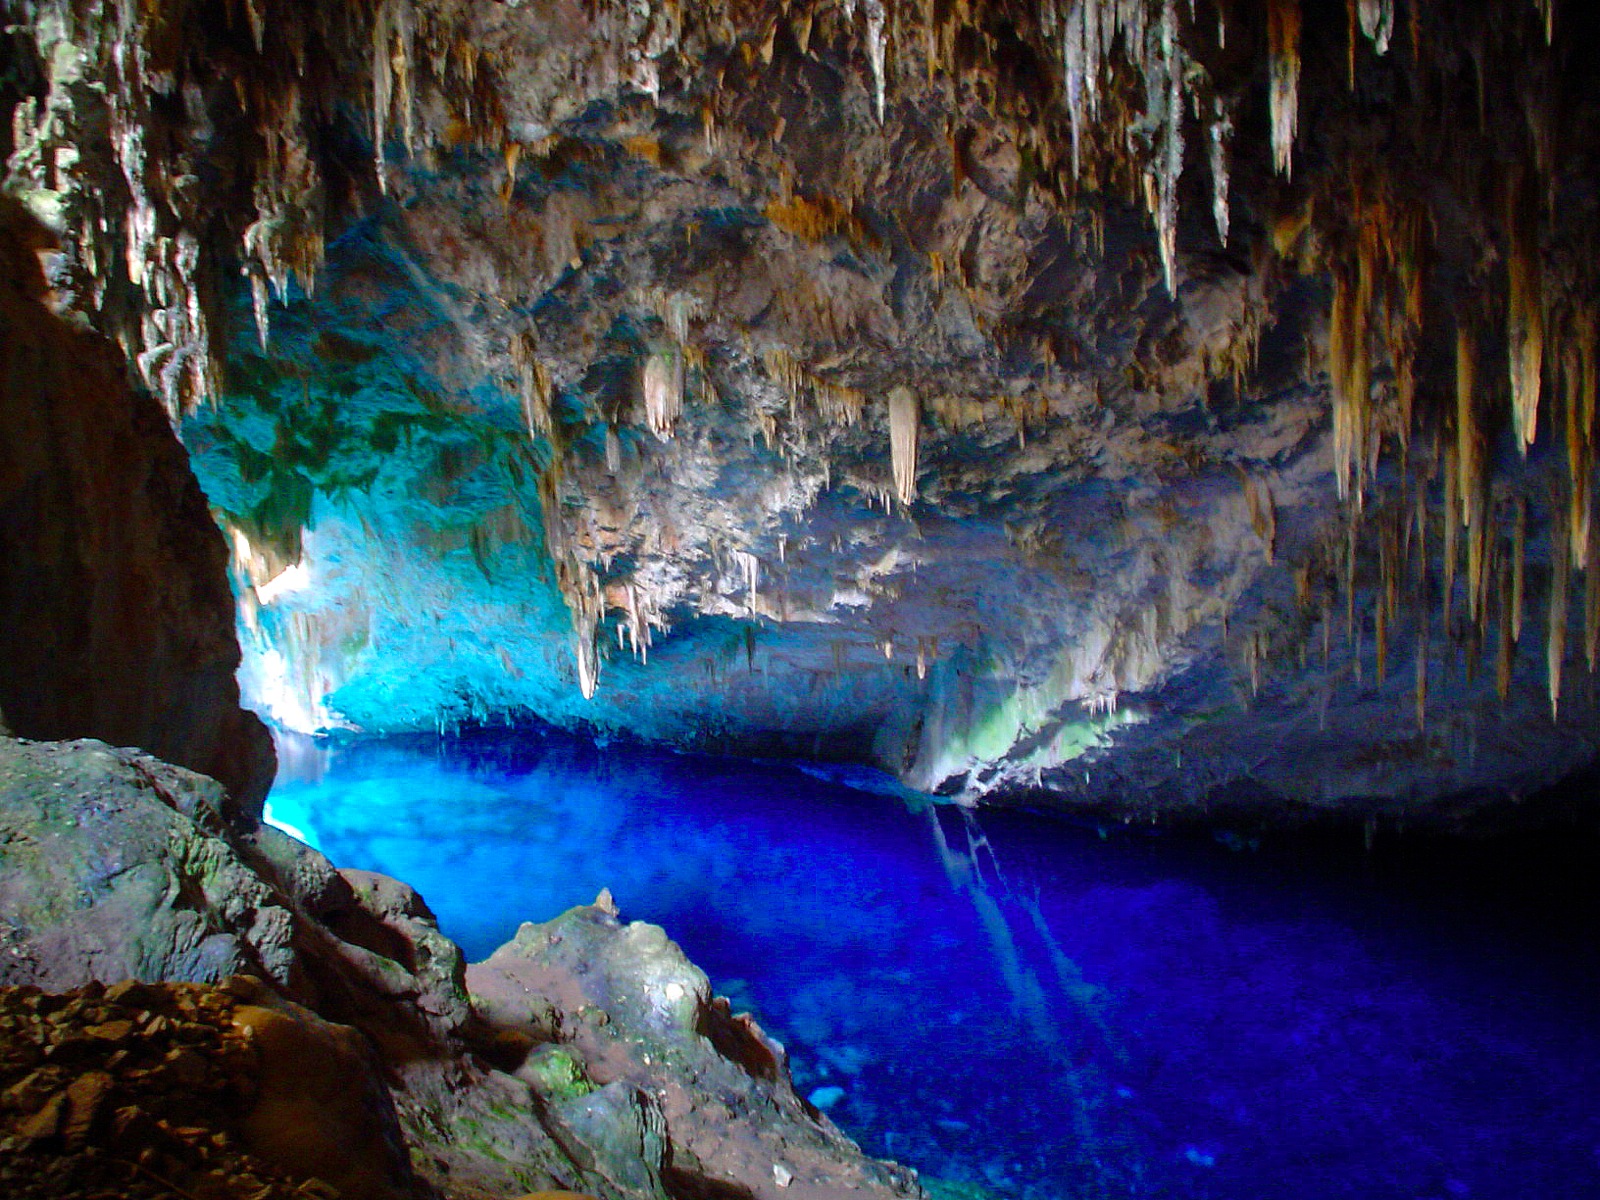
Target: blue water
[{"x": 1021, "y": 1006}]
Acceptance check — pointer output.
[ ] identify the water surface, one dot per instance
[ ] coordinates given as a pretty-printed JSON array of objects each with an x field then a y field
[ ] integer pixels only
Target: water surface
[{"x": 1017, "y": 1006}]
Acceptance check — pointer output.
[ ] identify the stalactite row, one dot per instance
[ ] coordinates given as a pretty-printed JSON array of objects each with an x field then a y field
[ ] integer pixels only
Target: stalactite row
[
  {"x": 148, "y": 262},
  {"x": 838, "y": 404},
  {"x": 1386, "y": 551}
]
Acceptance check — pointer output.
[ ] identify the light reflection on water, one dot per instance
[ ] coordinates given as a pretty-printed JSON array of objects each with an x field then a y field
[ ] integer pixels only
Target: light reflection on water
[{"x": 1009, "y": 1003}]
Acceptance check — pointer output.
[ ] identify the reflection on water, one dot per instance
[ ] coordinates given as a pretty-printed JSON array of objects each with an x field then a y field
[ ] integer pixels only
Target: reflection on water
[{"x": 1015, "y": 1006}]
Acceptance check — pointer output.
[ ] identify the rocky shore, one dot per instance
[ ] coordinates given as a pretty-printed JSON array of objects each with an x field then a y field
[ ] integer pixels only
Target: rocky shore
[{"x": 195, "y": 1005}]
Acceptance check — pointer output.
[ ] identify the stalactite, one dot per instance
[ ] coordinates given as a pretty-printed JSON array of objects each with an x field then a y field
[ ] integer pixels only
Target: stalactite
[
  {"x": 661, "y": 385},
  {"x": 875, "y": 55},
  {"x": 1469, "y": 461},
  {"x": 393, "y": 52},
  {"x": 750, "y": 567},
  {"x": 1283, "y": 47},
  {"x": 1168, "y": 101},
  {"x": 1556, "y": 637},
  {"x": 1377, "y": 22},
  {"x": 904, "y": 420},
  {"x": 1525, "y": 318},
  {"x": 1219, "y": 137},
  {"x": 1350, "y": 366},
  {"x": 258, "y": 302},
  {"x": 535, "y": 387},
  {"x": 1263, "y": 514},
  {"x": 1519, "y": 557},
  {"x": 1580, "y": 454}
]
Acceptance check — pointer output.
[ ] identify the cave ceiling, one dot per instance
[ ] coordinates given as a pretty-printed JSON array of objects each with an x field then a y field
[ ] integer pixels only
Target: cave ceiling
[{"x": 1152, "y": 403}]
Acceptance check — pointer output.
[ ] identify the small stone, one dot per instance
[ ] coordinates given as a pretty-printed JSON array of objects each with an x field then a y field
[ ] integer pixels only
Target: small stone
[
  {"x": 85, "y": 1095},
  {"x": 45, "y": 1123},
  {"x": 185, "y": 1067},
  {"x": 781, "y": 1175},
  {"x": 29, "y": 1092},
  {"x": 131, "y": 993}
]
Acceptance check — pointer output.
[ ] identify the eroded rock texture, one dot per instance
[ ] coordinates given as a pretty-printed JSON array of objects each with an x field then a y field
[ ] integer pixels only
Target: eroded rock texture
[
  {"x": 1145, "y": 402},
  {"x": 115, "y": 616},
  {"x": 325, "y": 1020}
]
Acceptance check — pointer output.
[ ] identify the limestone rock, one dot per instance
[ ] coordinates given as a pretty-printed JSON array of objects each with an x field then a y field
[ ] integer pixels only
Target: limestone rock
[
  {"x": 116, "y": 619},
  {"x": 656, "y": 1048},
  {"x": 114, "y": 865}
]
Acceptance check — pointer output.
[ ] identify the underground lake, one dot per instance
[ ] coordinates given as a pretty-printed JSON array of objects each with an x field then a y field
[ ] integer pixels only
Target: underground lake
[{"x": 1021, "y": 1006}]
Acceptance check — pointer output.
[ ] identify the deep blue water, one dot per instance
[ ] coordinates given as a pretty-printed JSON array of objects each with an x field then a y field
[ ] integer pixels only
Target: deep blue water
[{"x": 1018, "y": 1004}]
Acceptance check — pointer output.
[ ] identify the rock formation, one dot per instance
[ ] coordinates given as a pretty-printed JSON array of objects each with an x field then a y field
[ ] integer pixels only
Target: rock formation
[
  {"x": 289, "y": 1022},
  {"x": 114, "y": 607},
  {"x": 1144, "y": 403}
]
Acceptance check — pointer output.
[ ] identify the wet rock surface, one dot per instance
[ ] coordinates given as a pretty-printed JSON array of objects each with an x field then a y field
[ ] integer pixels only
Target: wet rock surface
[
  {"x": 114, "y": 865},
  {"x": 588, "y": 1057},
  {"x": 622, "y": 1023}
]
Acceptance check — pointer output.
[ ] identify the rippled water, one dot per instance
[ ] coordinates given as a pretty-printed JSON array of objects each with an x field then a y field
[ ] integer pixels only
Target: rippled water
[{"x": 1016, "y": 1006}]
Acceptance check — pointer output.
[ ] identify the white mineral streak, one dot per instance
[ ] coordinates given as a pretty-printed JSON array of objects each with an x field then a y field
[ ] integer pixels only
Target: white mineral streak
[
  {"x": 1169, "y": 154},
  {"x": 1220, "y": 135},
  {"x": 750, "y": 568},
  {"x": 662, "y": 385},
  {"x": 875, "y": 55},
  {"x": 1283, "y": 48},
  {"x": 904, "y": 418}
]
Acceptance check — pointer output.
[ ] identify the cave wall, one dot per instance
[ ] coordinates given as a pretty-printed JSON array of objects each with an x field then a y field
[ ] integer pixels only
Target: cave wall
[{"x": 116, "y": 617}]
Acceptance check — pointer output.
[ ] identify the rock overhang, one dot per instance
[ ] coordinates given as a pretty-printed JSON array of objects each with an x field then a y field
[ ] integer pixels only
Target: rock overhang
[{"x": 604, "y": 367}]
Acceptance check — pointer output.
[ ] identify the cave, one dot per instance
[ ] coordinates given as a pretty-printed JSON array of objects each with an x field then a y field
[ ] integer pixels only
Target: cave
[{"x": 771, "y": 599}]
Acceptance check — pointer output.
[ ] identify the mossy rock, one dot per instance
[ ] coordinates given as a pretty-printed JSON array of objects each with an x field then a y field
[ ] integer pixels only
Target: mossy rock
[{"x": 556, "y": 1073}]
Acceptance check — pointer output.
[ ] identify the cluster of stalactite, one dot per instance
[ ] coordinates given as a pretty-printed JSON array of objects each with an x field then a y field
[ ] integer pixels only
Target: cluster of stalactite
[
  {"x": 204, "y": 103},
  {"x": 1106, "y": 100},
  {"x": 1441, "y": 571}
]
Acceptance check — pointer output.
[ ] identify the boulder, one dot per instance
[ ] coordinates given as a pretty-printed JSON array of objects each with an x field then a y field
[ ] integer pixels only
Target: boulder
[
  {"x": 115, "y": 865},
  {"x": 661, "y": 1059}
]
